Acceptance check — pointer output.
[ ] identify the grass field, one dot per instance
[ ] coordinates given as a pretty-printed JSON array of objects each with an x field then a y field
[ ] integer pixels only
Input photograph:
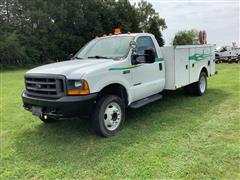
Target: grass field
[{"x": 180, "y": 137}]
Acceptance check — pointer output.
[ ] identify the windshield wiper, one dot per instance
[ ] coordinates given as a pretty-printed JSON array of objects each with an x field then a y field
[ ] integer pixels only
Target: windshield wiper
[{"x": 99, "y": 57}]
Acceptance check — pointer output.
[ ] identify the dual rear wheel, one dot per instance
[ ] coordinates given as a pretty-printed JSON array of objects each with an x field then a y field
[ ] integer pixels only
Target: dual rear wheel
[{"x": 198, "y": 88}]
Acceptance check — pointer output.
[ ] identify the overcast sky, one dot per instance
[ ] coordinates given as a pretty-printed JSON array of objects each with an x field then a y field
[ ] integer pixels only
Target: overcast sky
[{"x": 220, "y": 18}]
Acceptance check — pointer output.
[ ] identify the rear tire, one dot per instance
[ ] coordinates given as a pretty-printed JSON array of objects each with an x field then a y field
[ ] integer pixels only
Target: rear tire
[
  {"x": 108, "y": 116},
  {"x": 200, "y": 87}
]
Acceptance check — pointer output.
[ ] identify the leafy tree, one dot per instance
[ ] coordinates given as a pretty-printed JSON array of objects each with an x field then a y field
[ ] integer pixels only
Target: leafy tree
[
  {"x": 153, "y": 28},
  {"x": 126, "y": 16},
  {"x": 42, "y": 31},
  {"x": 150, "y": 21},
  {"x": 5, "y": 10},
  {"x": 11, "y": 50},
  {"x": 186, "y": 37}
]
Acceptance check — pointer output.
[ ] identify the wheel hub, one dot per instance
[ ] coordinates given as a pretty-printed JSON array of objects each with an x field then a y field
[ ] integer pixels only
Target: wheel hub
[
  {"x": 112, "y": 116},
  {"x": 202, "y": 84}
]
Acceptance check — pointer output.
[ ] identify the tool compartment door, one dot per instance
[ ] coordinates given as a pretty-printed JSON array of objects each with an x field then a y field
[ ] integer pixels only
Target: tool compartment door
[
  {"x": 181, "y": 67},
  {"x": 199, "y": 57}
]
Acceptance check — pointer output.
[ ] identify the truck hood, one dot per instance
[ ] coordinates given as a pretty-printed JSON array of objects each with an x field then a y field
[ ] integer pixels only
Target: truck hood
[{"x": 67, "y": 68}]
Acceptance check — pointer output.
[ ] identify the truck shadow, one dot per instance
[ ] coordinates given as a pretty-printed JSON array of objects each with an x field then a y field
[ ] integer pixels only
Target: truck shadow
[
  {"x": 73, "y": 138},
  {"x": 177, "y": 101}
]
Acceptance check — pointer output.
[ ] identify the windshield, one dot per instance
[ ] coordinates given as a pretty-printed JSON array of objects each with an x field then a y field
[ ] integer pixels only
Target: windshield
[{"x": 110, "y": 47}]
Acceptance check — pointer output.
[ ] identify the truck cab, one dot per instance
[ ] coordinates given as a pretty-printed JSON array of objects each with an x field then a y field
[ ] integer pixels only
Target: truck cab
[{"x": 108, "y": 75}]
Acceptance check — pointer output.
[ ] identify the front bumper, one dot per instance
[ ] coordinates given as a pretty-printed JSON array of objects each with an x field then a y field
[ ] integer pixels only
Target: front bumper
[{"x": 66, "y": 106}]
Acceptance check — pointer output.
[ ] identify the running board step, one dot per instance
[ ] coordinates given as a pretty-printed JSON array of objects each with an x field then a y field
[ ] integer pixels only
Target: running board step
[{"x": 145, "y": 101}]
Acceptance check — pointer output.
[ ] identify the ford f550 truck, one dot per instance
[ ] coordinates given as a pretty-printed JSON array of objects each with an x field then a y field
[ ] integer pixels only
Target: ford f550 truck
[{"x": 112, "y": 73}]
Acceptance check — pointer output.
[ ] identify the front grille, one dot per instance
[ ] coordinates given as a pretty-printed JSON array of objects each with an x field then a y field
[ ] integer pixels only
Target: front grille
[{"x": 45, "y": 85}]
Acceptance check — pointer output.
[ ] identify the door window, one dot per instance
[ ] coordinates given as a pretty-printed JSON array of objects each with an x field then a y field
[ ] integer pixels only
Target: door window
[{"x": 144, "y": 43}]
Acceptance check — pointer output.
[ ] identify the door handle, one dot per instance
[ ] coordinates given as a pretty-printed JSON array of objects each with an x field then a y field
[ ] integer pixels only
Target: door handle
[
  {"x": 160, "y": 66},
  {"x": 186, "y": 66},
  {"x": 126, "y": 72}
]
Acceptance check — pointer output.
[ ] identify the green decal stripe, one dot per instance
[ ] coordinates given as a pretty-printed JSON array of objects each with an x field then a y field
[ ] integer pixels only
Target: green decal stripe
[
  {"x": 134, "y": 66},
  {"x": 159, "y": 59},
  {"x": 198, "y": 57},
  {"x": 124, "y": 68}
]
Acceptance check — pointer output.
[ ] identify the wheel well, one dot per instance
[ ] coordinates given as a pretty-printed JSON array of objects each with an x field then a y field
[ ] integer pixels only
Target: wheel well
[
  {"x": 205, "y": 70},
  {"x": 116, "y": 89}
]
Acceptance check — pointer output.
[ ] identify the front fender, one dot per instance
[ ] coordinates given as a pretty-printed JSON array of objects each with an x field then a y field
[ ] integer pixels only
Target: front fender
[{"x": 113, "y": 79}]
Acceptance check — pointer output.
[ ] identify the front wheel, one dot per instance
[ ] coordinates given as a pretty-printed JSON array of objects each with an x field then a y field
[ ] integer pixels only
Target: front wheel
[{"x": 108, "y": 116}]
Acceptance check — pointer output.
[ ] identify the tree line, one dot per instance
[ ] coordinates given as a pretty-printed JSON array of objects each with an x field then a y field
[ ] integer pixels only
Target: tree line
[{"x": 42, "y": 31}]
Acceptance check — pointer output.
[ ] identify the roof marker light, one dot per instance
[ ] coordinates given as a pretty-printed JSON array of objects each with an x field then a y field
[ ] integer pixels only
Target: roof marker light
[{"x": 117, "y": 31}]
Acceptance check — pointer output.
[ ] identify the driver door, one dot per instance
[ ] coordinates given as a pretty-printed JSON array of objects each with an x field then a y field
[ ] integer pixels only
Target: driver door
[{"x": 146, "y": 77}]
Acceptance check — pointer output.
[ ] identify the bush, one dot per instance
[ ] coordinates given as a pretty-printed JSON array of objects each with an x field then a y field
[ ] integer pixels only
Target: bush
[{"x": 185, "y": 37}]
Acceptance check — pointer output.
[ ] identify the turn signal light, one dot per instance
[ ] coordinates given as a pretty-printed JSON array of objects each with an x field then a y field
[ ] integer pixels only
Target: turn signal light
[{"x": 78, "y": 92}]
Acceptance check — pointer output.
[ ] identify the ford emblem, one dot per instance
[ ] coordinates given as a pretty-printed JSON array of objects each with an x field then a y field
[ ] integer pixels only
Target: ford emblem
[{"x": 38, "y": 86}]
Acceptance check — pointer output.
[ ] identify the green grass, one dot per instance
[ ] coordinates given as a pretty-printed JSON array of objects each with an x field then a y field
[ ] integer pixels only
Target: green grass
[{"x": 180, "y": 137}]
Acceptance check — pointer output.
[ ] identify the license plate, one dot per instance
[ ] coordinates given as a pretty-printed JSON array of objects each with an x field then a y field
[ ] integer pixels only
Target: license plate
[{"x": 37, "y": 111}]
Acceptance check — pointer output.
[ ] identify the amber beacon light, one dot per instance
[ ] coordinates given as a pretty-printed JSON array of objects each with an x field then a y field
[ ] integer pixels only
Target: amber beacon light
[{"x": 117, "y": 31}]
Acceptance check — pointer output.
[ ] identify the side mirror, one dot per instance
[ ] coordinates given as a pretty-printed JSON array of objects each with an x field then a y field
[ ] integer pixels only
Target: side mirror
[{"x": 148, "y": 57}]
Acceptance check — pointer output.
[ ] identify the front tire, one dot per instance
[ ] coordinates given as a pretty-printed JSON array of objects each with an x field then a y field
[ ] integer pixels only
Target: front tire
[{"x": 108, "y": 116}]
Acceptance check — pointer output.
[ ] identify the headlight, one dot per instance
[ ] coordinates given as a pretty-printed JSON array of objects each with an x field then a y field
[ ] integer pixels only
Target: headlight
[{"x": 77, "y": 87}]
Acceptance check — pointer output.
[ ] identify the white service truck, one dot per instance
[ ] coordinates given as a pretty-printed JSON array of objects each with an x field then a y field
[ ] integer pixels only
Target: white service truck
[
  {"x": 228, "y": 54},
  {"x": 112, "y": 73}
]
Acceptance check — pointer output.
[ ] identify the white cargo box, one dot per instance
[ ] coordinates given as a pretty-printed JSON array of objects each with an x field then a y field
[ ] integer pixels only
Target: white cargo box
[{"x": 183, "y": 64}]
